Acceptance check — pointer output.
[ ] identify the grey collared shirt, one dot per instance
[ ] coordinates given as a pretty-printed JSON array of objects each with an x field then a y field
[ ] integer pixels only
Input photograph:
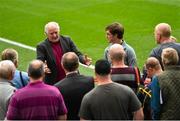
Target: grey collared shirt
[{"x": 6, "y": 91}]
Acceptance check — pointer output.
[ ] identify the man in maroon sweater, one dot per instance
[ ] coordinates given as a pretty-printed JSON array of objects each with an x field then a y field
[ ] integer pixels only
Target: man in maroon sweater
[
  {"x": 37, "y": 101},
  {"x": 51, "y": 51}
]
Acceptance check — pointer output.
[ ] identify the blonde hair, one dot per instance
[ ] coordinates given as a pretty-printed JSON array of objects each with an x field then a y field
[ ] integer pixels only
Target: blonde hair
[
  {"x": 10, "y": 54},
  {"x": 169, "y": 56}
]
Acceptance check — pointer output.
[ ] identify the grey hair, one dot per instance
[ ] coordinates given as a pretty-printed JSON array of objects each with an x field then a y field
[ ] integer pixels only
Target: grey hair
[
  {"x": 49, "y": 24},
  {"x": 7, "y": 68}
]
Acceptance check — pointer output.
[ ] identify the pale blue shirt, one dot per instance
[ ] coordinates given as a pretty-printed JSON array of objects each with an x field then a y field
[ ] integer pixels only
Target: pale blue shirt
[
  {"x": 130, "y": 58},
  {"x": 17, "y": 82}
]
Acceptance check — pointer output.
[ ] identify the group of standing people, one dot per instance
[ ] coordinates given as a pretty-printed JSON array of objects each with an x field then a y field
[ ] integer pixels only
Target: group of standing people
[{"x": 53, "y": 88}]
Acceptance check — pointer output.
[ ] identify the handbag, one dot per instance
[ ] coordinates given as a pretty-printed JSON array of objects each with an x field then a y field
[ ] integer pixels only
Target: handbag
[{"x": 144, "y": 95}]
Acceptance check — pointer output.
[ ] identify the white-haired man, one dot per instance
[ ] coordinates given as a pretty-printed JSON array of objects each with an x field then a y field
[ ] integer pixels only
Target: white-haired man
[{"x": 51, "y": 51}]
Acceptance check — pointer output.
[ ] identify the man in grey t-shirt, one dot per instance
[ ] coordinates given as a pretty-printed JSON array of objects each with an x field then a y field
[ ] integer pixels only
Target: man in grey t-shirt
[{"x": 109, "y": 101}]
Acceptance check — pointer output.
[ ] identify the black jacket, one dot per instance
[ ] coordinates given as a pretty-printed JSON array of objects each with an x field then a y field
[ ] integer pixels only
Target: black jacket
[
  {"x": 73, "y": 88},
  {"x": 45, "y": 52}
]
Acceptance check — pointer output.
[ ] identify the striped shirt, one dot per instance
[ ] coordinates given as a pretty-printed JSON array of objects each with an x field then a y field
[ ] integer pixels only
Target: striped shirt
[
  {"x": 126, "y": 76},
  {"x": 36, "y": 101}
]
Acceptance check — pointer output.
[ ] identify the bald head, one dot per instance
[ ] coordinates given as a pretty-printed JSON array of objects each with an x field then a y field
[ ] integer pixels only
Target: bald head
[
  {"x": 36, "y": 69},
  {"x": 70, "y": 61},
  {"x": 153, "y": 63},
  {"x": 7, "y": 69},
  {"x": 164, "y": 29},
  {"x": 116, "y": 52},
  {"x": 162, "y": 32},
  {"x": 169, "y": 57}
]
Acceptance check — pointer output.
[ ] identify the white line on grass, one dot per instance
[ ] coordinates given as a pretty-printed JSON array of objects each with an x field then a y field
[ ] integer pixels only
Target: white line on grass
[
  {"x": 32, "y": 48},
  {"x": 17, "y": 44}
]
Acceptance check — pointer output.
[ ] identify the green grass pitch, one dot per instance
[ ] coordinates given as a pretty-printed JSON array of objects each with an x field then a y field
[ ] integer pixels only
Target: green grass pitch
[{"x": 84, "y": 21}]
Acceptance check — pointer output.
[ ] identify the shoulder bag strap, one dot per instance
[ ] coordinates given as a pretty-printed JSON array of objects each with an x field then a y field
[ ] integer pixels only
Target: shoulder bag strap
[
  {"x": 137, "y": 75},
  {"x": 22, "y": 80}
]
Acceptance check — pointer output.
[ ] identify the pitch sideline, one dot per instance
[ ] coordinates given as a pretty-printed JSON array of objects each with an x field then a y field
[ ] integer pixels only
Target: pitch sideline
[{"x": 32, "y": 48}]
